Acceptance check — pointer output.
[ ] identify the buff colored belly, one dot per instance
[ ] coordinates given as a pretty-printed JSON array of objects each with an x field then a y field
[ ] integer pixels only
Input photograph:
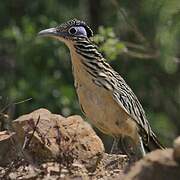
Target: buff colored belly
[{"x": 103, "y": 112}]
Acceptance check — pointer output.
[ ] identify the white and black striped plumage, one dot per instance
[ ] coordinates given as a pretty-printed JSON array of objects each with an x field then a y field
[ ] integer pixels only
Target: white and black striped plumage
[{"x": 98, "y": 84}]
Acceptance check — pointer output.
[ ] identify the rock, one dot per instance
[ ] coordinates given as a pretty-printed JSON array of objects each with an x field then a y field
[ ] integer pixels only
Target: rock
[
  {"x": 156, "y": 165},
  {"x": 6, "y": 147},
  {"x": 49, "y": 146},
  {"x": 45, "y": 135},
  {"x": 176, "y": 153}
]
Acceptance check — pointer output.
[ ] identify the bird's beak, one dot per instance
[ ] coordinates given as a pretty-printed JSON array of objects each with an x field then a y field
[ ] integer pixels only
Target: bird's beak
[{"x": 48, "y": 32}]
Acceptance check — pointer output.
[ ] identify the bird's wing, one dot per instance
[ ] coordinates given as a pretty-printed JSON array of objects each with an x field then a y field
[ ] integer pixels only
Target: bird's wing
[{"x": 127, "y": 100}]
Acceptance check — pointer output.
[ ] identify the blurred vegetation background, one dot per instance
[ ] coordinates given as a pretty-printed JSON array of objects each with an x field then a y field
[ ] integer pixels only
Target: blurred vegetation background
[{"x": 140, "y": 39}]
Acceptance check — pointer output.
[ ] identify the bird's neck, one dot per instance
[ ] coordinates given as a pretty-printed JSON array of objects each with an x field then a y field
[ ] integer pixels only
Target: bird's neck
[
  {"x": 78, "y": 68},
  {"x": 84, "y": 55}
]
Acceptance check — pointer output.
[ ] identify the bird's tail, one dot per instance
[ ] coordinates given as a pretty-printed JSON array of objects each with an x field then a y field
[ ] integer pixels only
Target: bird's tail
[{"x": 154, "y": 143}]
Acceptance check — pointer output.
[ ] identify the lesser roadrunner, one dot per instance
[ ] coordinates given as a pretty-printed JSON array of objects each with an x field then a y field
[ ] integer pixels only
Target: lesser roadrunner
[{"x": 107, "y": 101}]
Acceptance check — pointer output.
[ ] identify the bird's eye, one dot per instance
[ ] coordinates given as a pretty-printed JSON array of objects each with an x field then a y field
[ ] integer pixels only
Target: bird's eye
[
  {"x": 72, "y": 30},
  {"x": 79, "y": 31}
]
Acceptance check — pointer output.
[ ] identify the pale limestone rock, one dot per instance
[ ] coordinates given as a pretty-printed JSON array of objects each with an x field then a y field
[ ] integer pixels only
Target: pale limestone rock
[
  {"x": 55, "y": 135},
  {"x": 156, "y": 165}
]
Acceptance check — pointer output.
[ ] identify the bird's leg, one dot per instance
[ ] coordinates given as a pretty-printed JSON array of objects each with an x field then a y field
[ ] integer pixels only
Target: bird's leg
[
  {"x": 114, "y": 148},
  {"x": 133, "y": 150},
  {"x": 138, "y": 149},
  {"x": 127, "y": 146},
  {"x": 141, "y": 147},
  {"x": 124, "y": 146}
]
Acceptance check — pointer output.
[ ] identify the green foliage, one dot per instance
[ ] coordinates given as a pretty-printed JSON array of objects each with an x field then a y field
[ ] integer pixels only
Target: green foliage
[{"x": 109, "y": 43}]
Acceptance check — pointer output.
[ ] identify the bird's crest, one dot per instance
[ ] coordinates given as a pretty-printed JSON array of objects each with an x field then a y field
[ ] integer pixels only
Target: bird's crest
[{"x": 75, "y": 22}]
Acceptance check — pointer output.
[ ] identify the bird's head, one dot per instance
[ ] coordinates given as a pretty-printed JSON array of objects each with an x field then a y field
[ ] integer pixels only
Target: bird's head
[{"x": 69, "y": 31}]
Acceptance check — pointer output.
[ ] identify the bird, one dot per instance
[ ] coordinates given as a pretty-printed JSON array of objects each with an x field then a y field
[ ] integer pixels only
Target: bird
[{"x": 104, "y": 97}]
